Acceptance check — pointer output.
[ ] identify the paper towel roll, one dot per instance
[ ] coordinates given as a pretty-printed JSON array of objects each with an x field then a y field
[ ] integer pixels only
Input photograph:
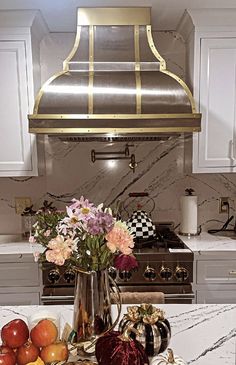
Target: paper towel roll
[{"x": 188, "y": 210}]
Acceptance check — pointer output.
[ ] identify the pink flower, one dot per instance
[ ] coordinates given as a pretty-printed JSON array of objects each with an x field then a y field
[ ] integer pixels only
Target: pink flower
[
  {"x": 47, "y": 233},
  {"x": 59, "y": 250},
  {"x": 55, "y": 257},
  {"x": 81, "y": 203},
  {"x": 120, "y": 239},
  {"x": 36, "y": 256},
  {"x": 32, "y": 239},
  {"x": 125, "y": 262},
  {"x": 83, "y": 208}
]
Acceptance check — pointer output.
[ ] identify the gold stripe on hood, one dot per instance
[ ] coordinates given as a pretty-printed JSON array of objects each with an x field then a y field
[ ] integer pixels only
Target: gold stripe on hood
[
  {"x": 91, "y": 69},
  {"x": 137, "y": 70}
]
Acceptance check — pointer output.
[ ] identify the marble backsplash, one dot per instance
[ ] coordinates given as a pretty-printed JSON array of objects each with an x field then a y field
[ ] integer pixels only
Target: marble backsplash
[{"x": 70, "y": 173}]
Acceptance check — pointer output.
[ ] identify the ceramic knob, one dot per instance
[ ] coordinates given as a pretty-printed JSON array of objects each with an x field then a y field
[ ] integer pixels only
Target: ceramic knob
[
  {"x": 69, "y": 276},
  {"x": 181, "y": 273},
  {"x": 112, "y": 272},
  {"x": 125, "y": 275},
  {"x": 150, "y": 274},
  {"x": 165, "y": 273},
  {"x": 53, "y": 276}
]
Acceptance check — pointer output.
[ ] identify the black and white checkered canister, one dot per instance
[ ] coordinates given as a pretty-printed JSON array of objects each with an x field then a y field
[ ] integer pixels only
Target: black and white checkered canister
[{"x": 141, "y": 225}]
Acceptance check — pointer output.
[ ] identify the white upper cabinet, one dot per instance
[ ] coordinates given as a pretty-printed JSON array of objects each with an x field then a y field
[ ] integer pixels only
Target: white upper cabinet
[
  {"x": 17, "y": 149},
  {"x": 217, "y": 103},
  {"x": 211, "y": 72},
  {"x": 20, "y": 35}
]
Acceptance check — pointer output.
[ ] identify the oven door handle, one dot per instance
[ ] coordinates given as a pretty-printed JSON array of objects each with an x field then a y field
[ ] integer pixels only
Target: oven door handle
[
  {"x": 55, "y": 298},
  {"x": 180, "y": 296}
]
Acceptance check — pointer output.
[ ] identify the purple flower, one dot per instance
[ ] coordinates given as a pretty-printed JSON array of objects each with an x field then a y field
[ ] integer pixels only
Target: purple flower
[{"x": 102, "y": 223}]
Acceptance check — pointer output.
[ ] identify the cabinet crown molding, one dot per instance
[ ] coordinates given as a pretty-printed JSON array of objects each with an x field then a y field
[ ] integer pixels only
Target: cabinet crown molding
[
  {"x": 25, "y": 21},
  {"x": 206, "y": 20}
]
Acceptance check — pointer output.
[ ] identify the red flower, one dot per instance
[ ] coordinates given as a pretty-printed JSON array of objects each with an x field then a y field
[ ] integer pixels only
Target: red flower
[{"x": 125, "y": 262}]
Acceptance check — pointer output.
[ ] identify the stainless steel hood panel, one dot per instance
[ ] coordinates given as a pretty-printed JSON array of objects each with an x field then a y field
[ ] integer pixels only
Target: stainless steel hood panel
[
  {"x": 114, "y": 92},
  {"x": 114, "y": 82}
]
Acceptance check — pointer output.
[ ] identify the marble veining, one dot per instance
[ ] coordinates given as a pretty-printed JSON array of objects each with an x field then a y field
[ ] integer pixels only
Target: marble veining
[{"x": 201, "y": 334}]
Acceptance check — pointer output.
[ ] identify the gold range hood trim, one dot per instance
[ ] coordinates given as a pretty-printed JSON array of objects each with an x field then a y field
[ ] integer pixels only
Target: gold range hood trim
[
  {"x": 114, "y": 16},
  {"x": 116, "y": 130},
  {"x": 174, "y": 122}
]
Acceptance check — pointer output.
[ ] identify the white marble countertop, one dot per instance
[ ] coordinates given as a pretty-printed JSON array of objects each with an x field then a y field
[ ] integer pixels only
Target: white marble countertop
[
  {"x": 19, "y": 248},
  {"x": 201, "y": 334},
  {"x": 209, "y": 243},
  {"x": 202, "y": 244}
]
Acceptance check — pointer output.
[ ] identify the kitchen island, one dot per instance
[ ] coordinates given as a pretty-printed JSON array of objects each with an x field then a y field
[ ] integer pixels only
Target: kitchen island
[{"x": 201, "y": 334}]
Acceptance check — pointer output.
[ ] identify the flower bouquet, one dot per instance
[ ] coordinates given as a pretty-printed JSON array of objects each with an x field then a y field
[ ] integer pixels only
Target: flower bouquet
[{"x": 85, "y": 236}]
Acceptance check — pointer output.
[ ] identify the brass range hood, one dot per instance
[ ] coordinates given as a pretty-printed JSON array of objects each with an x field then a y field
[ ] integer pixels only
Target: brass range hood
[{"x": 114, "y": 84}]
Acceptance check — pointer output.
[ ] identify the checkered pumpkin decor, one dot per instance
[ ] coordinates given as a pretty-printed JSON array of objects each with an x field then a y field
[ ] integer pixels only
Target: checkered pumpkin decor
[{"x": 141, "y": 225}]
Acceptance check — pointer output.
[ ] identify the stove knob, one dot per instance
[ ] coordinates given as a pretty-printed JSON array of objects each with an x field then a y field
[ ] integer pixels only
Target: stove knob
[
  {"x": 112, "y": 272},
  {"x": 53, "y": 276},
  {"x": 69, "y": 276},
  {"x": 149, "y": 274},
  {"x": 181, "y": 273},
  {"x": 125, "y": 275},
  {"x": 165, "y": 273}
]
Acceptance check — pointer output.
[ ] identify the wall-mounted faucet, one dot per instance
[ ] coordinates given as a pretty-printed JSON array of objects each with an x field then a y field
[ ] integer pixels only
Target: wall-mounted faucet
[{"x": 115, "y": 155}]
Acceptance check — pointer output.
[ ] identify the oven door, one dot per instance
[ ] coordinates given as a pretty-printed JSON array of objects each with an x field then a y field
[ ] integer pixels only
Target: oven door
[
  {"x": 57, "y": 295},
  {"x": 176, "y": 294},
  {"x": 179, "y": 294}
]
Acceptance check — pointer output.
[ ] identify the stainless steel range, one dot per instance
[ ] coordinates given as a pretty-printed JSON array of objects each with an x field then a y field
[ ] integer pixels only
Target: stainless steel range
[{"x": 165, "y": 265}]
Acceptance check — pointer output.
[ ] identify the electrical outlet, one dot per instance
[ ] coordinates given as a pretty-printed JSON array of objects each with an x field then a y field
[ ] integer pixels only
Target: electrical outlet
[
  {"x": 224, "y": 205},
  {"x": 21, "y": 203}
]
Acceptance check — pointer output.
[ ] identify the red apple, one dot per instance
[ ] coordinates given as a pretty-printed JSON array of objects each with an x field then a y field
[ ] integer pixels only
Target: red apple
[
  {"x": 44, "y": 333},
  {"x": 15, "y": 333},
  {"x": 7, "y": 356},
  {"x": 27, "y": 353},
  {"x": 55, "y": 352}
]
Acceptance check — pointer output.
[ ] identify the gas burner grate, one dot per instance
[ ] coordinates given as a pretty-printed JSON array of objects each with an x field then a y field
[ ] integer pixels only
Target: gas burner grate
[
  {"x": 164, "y": 239},
  {"x": 145, "y": 243}
]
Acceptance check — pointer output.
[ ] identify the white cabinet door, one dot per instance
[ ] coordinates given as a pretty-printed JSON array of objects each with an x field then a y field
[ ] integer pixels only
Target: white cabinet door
[
  {"x": 19, "y": 298},
  {"x": 17, "y": 146},
  {"x": 216, "y": 296},
  {"x": 215, "y": 281},
  {"x": 19, "y": 274},
  {"x": 217, "y": 101},
  {"x": 216, "y": 272}
]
